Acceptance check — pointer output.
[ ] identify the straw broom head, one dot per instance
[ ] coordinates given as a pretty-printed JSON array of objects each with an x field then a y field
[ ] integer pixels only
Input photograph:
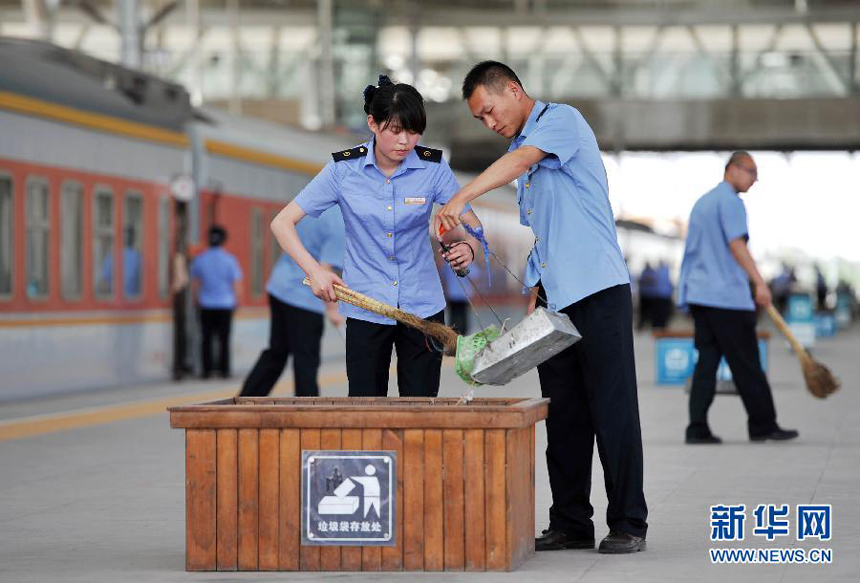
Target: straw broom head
[
  {"x": 819, "y": 380},
  {"x": 445, "y": 335}
]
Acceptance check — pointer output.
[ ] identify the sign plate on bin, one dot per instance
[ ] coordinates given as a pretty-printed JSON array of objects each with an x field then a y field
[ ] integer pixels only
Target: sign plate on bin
[{"x": 348, "y": 498}]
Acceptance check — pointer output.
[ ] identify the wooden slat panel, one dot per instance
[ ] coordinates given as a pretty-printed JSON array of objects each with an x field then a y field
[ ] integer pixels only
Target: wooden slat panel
[
  {"x": 309, "y": 556},
  {"x": 434, "y": 518},
  {"x": 371, "y": 557},
  {"x": 227, "y": 499},
  {"x": 454, "y": 499},
  {"x": 392, "y": 557},
  {"x": 517, "y": 464},
  {"x": 350, "y": 557},
  {"x": 494, "y": 484},
  {"x": 531, "y": 500},
  {"x": 268, "y": 517},
  {"x": 249, "y": 506},
  {"x": 290, "y": 501},
  {"x": 200, "y": 500},
  {"x": 475, "y": 517},
  {"x": 413, "y": 499},
  {"x": 330, "y": 556}
]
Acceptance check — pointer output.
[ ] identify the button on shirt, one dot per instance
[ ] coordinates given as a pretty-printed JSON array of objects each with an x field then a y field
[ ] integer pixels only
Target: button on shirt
[
  {"x": 323, "y": 238},
  {"x": 564, "y": 198},
  {"x": 388, "y": 250},
  {"x": 710, "y": 274},
  {"x": 216, "y": 269}
]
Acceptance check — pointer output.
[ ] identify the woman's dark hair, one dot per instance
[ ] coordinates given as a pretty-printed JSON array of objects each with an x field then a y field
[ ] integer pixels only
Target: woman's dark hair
[
  {"x": 217, "y": 235},
  {"x": 396, "y": 103}
]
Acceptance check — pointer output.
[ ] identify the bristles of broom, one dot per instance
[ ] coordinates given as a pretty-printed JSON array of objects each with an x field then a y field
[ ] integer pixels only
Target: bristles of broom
[
  {"x": 819, "y": 380},
  {"x": 445, "y": 335}
]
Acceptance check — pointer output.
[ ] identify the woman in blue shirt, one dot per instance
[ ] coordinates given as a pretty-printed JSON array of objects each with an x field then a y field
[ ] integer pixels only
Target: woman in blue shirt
[{"x": 386, "y": 188}]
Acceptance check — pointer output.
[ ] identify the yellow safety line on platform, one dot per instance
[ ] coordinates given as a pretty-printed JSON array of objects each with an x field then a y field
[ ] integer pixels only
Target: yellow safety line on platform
[{"x": 53, "y": 422}]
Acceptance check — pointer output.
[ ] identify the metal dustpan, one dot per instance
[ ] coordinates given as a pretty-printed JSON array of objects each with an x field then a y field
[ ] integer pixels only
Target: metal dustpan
[{"x": 539, "y": 336}]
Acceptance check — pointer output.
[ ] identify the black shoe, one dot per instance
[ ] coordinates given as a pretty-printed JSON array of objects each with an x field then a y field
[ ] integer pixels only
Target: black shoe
[
  {"x": 777, "y": 434},
  {"x": 555, "y": 540},
  {"x": 621, "y": 543},
  {"x": 702, "y": 440}
]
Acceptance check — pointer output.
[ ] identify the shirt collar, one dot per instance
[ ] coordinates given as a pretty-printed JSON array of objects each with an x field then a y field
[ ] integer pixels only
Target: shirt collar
[
  {"x": 728, "y": 187},
  {"x": 532, "y": 119},
  {"x": 411, "y": 161}
]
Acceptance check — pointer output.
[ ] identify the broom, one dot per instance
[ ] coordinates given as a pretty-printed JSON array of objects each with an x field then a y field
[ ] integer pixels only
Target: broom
[
  {"x": 819, "y": 380},
  {"x": 445, "y": 335}
]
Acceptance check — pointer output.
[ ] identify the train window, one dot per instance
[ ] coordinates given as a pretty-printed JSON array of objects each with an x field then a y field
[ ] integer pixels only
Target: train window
[
  {"x": 103, "y": 239},
  {"x": 37, "y": 246},
  {"x": 163, "y": 246},
  {"x": 132, "y": 247},
  {"x": 275, "y": 250},
  {"x": 6, "y": 236},
  {"x": 71, "y": 240},
  {"x": 257, "y": 242}
]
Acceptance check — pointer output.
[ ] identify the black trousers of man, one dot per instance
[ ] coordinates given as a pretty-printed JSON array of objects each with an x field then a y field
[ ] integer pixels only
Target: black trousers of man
[
  {"x": 368, "y": 359},
  {"x": 216, "y": 324},
  {"x": 730, "y": 333},
  {"x": 293, "y": 331},
  {"x": 459, "y": 315},
  {"x": 592, "y": 392}
]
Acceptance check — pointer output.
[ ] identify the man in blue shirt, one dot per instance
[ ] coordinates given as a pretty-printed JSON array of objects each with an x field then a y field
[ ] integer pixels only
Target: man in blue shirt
[
  {"x": 216, "y": 278},
  {"x": 715, "y": 286},
  {"x": 576, "y": 267},
  {"x": 296, "y": 314}
]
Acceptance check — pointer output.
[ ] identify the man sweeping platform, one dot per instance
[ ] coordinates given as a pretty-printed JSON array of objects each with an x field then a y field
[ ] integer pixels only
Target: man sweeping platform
[{"x": 715, "y": 286}]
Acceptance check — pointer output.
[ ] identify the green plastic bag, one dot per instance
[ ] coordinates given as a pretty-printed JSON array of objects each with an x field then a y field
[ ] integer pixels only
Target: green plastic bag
[{"x": 468, "y": 348}]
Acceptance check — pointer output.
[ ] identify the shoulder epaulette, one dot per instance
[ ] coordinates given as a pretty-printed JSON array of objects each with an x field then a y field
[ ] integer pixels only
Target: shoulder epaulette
[
  {"x": 356, "y": 152},
  {"x": 429, "y": 154}
]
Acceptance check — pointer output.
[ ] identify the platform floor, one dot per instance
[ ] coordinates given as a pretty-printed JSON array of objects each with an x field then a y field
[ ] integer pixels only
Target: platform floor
[{"x": 92, "y": 485}]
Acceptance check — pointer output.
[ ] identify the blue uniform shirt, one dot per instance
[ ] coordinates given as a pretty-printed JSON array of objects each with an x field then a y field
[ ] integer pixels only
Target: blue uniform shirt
[
  {"x": 216, "y": 269},
  {"x": 323, "y": 238},
  {"x": 564, "y": 198},
  {"x": 710, "y": 274},
  {"x": 389, "y": 256}
]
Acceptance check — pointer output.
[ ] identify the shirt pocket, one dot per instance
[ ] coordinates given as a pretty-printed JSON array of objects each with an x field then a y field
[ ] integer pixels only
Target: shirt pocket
[{"x": 413, "y": 210}]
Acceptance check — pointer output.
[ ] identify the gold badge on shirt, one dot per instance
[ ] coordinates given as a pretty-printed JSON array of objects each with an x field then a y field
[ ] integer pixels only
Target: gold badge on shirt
[{"x": 415, "y": 200}]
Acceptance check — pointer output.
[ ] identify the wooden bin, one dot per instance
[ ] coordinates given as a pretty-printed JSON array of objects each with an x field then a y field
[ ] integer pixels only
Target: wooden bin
[{"x": 243, "y": 475}]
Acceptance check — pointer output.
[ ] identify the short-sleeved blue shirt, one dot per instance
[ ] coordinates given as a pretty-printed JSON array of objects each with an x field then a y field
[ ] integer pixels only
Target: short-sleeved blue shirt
[
  {"x": 564, "y": 198},
  {"x": 389, "y": 256},
  {"x": 216, "y": 269},
  {"x": 323, "y": 238},
  {"x": 710, "y": 274}
]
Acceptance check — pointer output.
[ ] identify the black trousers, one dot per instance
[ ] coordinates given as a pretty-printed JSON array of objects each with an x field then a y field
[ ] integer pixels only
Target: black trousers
[
  {"x": 459, "y": 315},
  {"x": 216, "y": 326},
  {"x": 368, "y": 358},
  {"x": 592, "y": 392},
  {"x": 291, "y": 331},
  {"x": 730, "y": 333}
]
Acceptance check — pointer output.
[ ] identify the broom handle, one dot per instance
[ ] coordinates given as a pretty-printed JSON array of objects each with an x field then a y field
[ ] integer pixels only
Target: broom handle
[
  {"x": 786, "y": 331},
  {"x": 353, "y": 297}
]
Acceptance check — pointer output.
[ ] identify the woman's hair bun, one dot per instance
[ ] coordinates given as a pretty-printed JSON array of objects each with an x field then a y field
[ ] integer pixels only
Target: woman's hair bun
[{"x": 384, "y": 80}]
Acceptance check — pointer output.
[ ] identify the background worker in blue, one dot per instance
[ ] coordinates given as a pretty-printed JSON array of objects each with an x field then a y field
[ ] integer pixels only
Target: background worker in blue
[
  {"x": 386, "y": 189},
  {"x": 296, "y": 315},
  {"x": 215, "y": 280},
  {"x": 715, "y": 286},
  {"x": 577, "y": 266}
]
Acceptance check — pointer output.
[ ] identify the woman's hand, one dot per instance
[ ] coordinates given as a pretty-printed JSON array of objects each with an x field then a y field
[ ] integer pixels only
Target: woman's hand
[
  {"x": 459, "y": 255},
  {"x": 322, "y": 284}
]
